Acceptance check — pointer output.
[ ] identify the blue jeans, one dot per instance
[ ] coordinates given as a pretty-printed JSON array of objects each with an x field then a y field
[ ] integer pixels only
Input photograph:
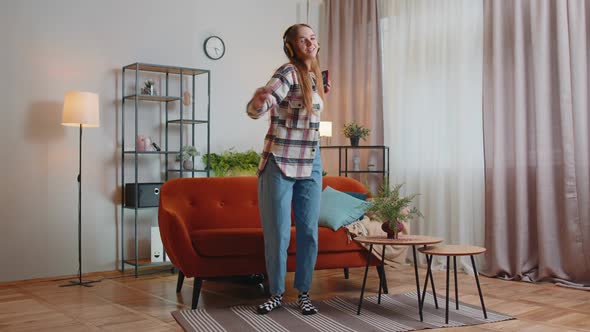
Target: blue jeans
[{"x": 276, "y": 193}]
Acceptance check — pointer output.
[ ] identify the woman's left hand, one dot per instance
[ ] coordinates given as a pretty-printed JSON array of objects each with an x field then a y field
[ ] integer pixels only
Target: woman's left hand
[{"x": 260, "y": 97}]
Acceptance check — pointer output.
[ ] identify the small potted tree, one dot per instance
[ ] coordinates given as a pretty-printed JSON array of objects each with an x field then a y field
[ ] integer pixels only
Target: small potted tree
[
  {"x": 186, "y": 156},
  {"x": 355, "y": 132},
  {"x": 392, "y": 208}
]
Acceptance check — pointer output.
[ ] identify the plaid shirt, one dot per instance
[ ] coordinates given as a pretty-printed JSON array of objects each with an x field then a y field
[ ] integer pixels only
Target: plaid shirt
[{"x": 293, "y": 134}]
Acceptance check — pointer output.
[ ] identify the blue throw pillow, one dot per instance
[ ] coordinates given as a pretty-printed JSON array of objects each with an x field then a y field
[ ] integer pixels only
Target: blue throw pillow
[
  {"x": 359, "y": 196},
  {"x": 339, "y": 209},
  {"x": 356, "y": 195}
]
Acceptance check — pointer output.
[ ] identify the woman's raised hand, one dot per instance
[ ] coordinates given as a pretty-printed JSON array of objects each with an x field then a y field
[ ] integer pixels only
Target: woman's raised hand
[{"x": 260, "y": 97}]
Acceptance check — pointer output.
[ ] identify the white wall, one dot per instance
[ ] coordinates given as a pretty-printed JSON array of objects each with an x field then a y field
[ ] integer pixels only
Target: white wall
[{"x": 49, "y": 47}]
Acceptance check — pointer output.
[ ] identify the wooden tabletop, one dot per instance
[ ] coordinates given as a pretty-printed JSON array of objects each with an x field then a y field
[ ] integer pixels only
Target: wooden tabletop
[
  {"x": 403, "y": 240},
  {"x": 452, "y": 250}
]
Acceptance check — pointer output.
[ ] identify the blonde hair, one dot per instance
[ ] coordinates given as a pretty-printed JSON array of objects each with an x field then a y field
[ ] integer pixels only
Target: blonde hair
[{"x": 305, "y": 80}]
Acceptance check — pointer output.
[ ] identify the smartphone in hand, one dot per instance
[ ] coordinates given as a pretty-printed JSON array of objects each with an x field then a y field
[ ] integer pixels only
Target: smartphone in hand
[{"x": 326, "y": 80}]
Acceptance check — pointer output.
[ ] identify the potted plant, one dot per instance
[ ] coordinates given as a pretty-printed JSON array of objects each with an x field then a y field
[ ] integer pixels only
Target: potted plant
[
  {"x": 149, "y": 88},
  {"x": 392, "y": 208},
  {"x": 355, "y": 132},
  {"x": 233, "y": 163},
  {"x": 186, "y": 155}
]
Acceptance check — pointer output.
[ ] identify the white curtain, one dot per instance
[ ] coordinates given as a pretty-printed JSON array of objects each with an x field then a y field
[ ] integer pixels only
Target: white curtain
[{"x": 432, "y": 65}]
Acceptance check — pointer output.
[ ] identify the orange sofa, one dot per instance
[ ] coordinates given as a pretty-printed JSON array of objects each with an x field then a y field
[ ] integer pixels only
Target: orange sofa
[{"x": 210, "y": 227}]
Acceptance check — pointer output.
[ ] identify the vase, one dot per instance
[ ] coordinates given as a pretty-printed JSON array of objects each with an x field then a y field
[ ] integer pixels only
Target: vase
[
  {"x": 186, "y": 96},
  {"x": 147, "y": 144},
  {"x": 392, "y": 233},
  {"x": 354, "y": 141},
  {"x": 150, "y": 91},
  {"x": 356, "y": 163},
  {"x": 187, "y": 164},
  {"x": 140, "y": 146}
]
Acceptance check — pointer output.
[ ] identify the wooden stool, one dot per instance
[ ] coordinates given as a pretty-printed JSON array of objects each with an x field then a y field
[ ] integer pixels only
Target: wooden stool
[{"x": 454, "y": 251}]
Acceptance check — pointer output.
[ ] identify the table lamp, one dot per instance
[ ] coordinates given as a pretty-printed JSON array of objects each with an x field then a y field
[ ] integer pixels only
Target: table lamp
[{"x": 326, "y": 130}]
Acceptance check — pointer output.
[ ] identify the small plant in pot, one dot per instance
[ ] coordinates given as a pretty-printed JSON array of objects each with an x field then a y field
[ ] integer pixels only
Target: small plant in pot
[
  {"x": 355, "y": 132},
  {"x": 393, "y": 208},
  {"x": 186, "y": 156},
  {"x": 149, "y": 88}
]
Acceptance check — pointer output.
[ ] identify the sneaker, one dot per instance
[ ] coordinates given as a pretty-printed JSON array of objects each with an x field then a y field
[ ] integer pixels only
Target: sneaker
[
  {"x": 273, "y": 302},
  {"x": 307, "y": 308}
]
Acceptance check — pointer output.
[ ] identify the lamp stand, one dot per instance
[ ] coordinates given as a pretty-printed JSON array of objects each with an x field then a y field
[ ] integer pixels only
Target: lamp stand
[{"x": 79, "y": 282}]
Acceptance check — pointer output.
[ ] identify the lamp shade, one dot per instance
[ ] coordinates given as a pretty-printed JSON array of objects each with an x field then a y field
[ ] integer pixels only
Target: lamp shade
[
  {"x": 80, "y": 108},
  {"x": 325, "y": 128}
]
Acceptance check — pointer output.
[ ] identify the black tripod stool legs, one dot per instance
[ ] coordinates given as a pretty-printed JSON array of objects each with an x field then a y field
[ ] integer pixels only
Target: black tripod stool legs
[
  {"x": 483, "y": 306},
  {"x": 429, "y": 276}
]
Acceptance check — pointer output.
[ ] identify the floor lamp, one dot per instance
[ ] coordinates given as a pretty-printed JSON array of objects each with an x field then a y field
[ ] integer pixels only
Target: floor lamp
[{"x": 80, "y": 110}]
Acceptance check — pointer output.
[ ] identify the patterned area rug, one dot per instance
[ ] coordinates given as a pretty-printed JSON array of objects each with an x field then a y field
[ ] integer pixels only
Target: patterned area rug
[{"x": 395, "y": 313}]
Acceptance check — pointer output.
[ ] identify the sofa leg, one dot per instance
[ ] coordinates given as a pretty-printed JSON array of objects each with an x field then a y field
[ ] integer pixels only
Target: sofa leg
[
  {"x": 346, "y": 273},
  {"x": 179, "y": 282},
  {"x": 382, "y": 278},
  {"x": 196, "y": 292}
]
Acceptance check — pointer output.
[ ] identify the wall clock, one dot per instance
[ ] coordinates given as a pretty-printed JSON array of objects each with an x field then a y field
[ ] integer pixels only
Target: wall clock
[{"x": 214, "y": 48}]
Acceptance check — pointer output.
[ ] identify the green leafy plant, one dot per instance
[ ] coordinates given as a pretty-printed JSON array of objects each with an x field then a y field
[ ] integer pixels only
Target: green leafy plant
[
  {"x": 232, "y": 162},
  {"x": 391, "y": 206},
  {"x": 355, "y": 130},
  {"x": 149, "y": 87},
  {"x": 187, "y": 152},
  {"x": 149, "y": 83}
]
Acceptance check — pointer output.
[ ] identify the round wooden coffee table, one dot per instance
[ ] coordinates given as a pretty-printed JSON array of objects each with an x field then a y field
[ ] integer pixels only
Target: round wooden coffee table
[
  {"x": 454, "y": 251},
  {"x": 402, "y": 240}
]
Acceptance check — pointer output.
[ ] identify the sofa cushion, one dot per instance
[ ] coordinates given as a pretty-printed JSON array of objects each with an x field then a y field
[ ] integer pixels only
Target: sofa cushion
[
  {"x": 338, "y": 209},
  {"x": 250, "y": 242},
  {"x": 361, "y": 196},
  {"x": 329, "y": 241}
]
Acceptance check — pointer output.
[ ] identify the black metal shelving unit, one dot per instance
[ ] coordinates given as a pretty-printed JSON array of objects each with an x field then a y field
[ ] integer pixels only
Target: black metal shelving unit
[
  {"x": 343, "y": 162},
  {"x": 170, "y": 73}
]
